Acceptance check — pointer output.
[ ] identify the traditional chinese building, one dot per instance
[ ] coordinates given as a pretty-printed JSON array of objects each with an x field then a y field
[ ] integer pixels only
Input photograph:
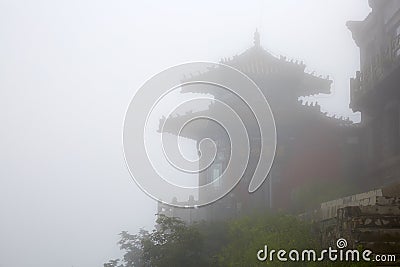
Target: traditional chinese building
[
  {"x": 316, "y": 154},
  {"x": 375, "y": 92},
  {"x": 370, "y": 219}
]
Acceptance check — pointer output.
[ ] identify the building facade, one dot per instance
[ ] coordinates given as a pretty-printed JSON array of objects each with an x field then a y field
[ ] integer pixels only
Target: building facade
[
  {"x": 375, "y": 92},
  {"x": 315, "y": 153}
]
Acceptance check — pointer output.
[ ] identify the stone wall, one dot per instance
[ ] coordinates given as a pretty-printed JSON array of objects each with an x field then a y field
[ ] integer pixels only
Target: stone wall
[{"x": 370, "y": 220}]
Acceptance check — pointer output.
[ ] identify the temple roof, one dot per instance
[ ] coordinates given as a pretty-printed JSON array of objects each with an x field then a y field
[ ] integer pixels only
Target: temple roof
[
  {"x": 360, "y": 29},
  {"x": 305, "y": 111},
  {"x": 258, "y": 62},
  {"x": 261, "y": 65}
]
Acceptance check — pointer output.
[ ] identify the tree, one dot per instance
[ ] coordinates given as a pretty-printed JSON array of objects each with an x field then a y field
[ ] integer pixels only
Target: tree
[
  {"x": 173, "y": 243},
  {"x": 219, "y": 244}
]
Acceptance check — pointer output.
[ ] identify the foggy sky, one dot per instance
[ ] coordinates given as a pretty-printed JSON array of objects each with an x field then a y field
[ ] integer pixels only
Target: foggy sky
[{"x": 68, "y": 70}]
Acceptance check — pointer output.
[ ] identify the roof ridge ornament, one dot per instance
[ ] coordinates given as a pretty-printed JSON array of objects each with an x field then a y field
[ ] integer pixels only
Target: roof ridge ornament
[{"x": 257, "y": 38}]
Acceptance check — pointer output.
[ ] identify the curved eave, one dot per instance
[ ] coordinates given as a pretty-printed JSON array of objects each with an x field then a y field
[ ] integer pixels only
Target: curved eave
[
  {"x": 173, "y": 123},
  {"x": 315, "y": 85}
]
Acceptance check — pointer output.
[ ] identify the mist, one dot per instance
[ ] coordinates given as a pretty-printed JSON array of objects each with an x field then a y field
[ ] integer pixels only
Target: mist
[{"x": 67, "y": 74}]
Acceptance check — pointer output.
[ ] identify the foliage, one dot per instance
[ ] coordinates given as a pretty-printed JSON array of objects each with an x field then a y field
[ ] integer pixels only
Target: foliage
[
  {"x": 218, "y": 244},
  {"x": 249, "y": 234},
  {"x": 172, "y": 244},
  {"x": 311, "y": 194}
]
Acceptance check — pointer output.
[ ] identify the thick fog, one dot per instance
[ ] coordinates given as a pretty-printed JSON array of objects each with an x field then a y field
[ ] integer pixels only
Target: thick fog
[{"x": 68, "y": 70}]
